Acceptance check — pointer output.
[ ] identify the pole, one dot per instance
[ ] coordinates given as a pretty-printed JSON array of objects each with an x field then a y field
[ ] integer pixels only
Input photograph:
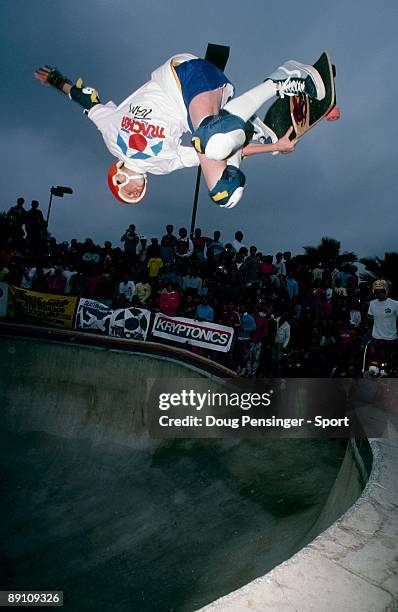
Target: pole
[
  {"x": 217, "y": 55},
  {"x": 195, "y": 200},
  {"x": 49, "y": 206}
]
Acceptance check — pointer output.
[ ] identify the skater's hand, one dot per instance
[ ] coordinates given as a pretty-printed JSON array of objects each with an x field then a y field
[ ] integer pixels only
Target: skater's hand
[
  {"x": 42, "y": 75},
  {"x": 51, "y": 77},
  {"x": 284, "y": 144}
]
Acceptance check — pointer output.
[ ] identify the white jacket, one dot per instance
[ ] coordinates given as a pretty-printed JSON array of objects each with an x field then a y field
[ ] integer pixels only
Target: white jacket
[{"x": 144, "y": 131}]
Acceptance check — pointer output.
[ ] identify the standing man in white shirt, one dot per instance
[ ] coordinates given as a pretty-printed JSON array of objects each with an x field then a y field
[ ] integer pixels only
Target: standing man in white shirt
[{"x": 384, "y": 312}]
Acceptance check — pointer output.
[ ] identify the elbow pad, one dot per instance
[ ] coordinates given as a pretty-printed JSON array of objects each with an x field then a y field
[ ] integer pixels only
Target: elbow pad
[
  {"x": 87, "y": 97},
  {"x": 228, "y": 190}
]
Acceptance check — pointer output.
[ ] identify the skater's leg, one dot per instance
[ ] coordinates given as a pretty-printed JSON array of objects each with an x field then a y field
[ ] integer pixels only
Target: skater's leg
[
  {"x": 246, "y": 105},
  {"x": 225, "y": 183},
  {"x": 204, "y": 105},
  {"x": 289, "y": 79}
]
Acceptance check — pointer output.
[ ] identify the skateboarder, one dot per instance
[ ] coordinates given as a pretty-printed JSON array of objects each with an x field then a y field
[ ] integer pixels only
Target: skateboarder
[{"x": 186, "y": 94}]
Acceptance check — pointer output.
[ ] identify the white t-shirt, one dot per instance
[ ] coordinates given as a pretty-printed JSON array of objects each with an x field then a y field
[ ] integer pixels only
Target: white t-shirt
[
  {"x": 145, "y": 130},
  {"x": 385, "y": 319},
  {"x": 127, "y": 289}
]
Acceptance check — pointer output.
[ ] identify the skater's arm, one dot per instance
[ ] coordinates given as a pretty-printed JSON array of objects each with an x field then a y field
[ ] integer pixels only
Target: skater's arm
[
  {"x": 87, "y": 97},
  {"x": 283, "y": 145}
]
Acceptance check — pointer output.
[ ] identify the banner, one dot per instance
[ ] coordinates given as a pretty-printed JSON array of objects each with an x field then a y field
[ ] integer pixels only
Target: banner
[
  {"x": 127, "y": 323},
  {"x": 56, "y": 310},
  {"x": 197, "y": 333},
  {"x": 3, "y": 299},
  {"x": 93, "y": 316}
]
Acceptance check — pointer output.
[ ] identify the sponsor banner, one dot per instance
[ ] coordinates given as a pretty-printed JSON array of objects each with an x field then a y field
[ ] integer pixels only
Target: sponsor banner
[
  {"x": 197, "y": 333},
  {"x": 130, "y": 323},
  {"x": 56, "y": 310},
  {"x": 93, "y": 316},
  {"x": 127, "y": 323},
  {"x": 3, "y": 299}
]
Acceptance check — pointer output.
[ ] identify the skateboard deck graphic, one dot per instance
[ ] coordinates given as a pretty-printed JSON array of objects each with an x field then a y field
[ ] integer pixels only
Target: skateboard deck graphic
[{"x": 300, "y": 111}]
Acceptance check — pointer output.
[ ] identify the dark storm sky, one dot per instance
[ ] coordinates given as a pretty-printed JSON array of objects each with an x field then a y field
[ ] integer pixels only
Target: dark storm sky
[{"x": 341, "y": 181}]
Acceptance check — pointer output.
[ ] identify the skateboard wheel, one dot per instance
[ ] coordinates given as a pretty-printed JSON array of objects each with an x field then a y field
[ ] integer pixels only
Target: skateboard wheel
[{"x": 334, "y": 114}]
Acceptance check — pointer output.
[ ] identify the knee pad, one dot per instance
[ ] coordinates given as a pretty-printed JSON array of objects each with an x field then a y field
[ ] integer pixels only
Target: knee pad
[
  {"x": 229, "y": 188},
  {"x": 218, "y": 136}
]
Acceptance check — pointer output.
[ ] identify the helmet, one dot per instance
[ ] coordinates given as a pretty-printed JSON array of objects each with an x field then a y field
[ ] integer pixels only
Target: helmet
[
  {"x": 115, "y": 169},
  {"x": 381, "y": 285}
]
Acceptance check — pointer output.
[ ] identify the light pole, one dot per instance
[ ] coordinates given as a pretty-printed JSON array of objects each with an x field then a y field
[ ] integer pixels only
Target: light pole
[
  {"x": 59, "y": 192},
  {"x": 217, "y": 55}
]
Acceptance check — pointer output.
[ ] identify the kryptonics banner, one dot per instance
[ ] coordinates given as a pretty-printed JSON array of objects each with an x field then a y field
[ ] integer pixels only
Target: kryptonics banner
[
  {"x": 56, "y": 310},
  {"x": 3, "y": 299},
  {"x": 198, "y": 333},
  {"x": 128, "y": 323}
]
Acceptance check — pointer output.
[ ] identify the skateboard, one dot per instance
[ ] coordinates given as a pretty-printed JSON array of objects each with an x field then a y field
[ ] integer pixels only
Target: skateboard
[{"x": 302, "y": 112}]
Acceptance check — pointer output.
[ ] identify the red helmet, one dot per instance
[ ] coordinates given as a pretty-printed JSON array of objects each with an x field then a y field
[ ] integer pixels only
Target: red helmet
[{"x": 115, "y": 169}]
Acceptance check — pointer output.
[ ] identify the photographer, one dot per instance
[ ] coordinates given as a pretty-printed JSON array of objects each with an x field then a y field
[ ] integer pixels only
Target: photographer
[{"x": 130, "y": 239}]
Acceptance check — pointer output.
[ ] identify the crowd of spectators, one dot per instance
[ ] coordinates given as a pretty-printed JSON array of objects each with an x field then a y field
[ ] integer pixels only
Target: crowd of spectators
[{"x": 291, "y": 316}]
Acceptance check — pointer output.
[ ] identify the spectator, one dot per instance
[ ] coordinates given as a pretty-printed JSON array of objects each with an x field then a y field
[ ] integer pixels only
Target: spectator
[
  {"x": 317, "y": 273},
  {"x": 35, "y": 227},
  {"x": 68, "y": 273},
  {"x": 252, "y": 265},
  {"x": 355, "y": 314},
  {"x": 142, "y": 250},
  {"x": 184, "y": 246},
  {"x": 154, "y": 266},
  {"x": 78, "y": 284},
  {"x": 169, "y": 300},
  {"x": 126, "y": 289},
  {"x": 107, "y": 288},
  {"x": 199, "y": 243},
  {"x": 39, "y": 281},
  {"x": 188, "y": 306},
  {"x": 143, "y": 290},
  {"x": 279, "y": 264},
  {"x": 56, "y": 282},
  {"x": 90, "y": 255},
  {"x": 257, "y": 341},
  {"x": 192, "y": 282},
  {"x": 130, "y": 239},
  {"x": 204, "y": 312},
  {"x": 292, "y": 285},
  {"x": 282, "y": 340},
  {"x": 168, "y": 245},
  {"x": 214, "y": 247},
  {"x": 246, "y": 329},
  {"x": 338, "y": 289},
  {"x": 16, "y": 217},
  {"x": 237, "y": 242},
  {"x": 153, "y": 251}
]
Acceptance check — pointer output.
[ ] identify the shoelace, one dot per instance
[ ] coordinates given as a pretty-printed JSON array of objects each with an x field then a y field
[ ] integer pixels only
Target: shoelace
[{"x": 291, "y": 87}]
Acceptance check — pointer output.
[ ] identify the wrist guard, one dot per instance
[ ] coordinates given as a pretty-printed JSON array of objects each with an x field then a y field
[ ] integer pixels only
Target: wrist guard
[
  {"x": 87, "y": 97},
  {"x": 56, "y": 79}
]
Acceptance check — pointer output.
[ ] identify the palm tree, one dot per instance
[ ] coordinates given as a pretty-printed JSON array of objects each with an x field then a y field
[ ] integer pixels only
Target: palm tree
[
  {"x": 328, "y": 251},
  {"x": 386, "y": 268}
]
